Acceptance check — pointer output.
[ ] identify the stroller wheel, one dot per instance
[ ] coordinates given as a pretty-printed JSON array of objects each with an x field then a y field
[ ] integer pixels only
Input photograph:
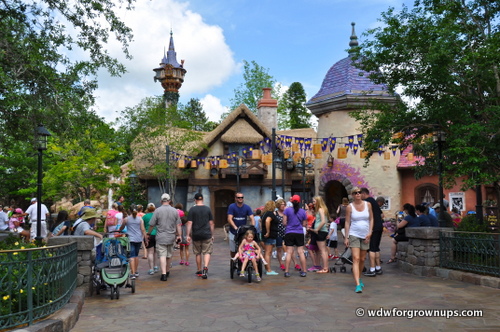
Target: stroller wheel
[
  {"x": 117, "y": 292},
  {"x": 343, "y": 269},
  {"x": 231, "y": 268},
  {"x": 133, "y": 286},
  {"x": 112, "y": 295},
  {"x": 249, "y": 273},
  {"x": 333, "y": 270}
]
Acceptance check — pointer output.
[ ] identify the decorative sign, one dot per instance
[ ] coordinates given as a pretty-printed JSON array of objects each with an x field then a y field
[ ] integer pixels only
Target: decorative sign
[{"x": 457, "y": 200}]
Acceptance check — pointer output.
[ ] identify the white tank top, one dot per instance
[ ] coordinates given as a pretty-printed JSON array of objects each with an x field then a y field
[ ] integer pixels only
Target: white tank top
[{"x": 360, "y": 222}]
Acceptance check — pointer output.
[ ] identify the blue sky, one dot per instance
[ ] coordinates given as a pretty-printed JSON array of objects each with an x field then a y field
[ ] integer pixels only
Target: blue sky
[{"x": 297, "y": 40}]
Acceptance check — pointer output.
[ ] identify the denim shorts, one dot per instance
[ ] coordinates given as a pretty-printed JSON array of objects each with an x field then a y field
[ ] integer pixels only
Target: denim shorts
[
  {"x": 134, "y": 249},
  {"x": 270, "y": 241},
  {"x": 279, "y": 242}
]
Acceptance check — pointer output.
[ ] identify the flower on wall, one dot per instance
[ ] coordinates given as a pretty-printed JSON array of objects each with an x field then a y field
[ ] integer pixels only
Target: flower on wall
[{"x": 342, "y": 171}]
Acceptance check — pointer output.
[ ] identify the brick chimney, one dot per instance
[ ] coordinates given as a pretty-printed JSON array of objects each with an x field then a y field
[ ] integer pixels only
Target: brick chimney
[{"x": 267, "y": 110}]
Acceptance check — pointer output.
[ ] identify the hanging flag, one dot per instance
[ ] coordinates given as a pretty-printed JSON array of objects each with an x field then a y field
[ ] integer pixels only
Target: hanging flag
[
  {"x": 394, "y": 149},
  {"x": 355, "y": 148},
  {"x": 360, "y": 140},
  {"x": 380, "y": 150},
  {"x": 350, "y": 141},
  {"x": 332, "y": 140}
]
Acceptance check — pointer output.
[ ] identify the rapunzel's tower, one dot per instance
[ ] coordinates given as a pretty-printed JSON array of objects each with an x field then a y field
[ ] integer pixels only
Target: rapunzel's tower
[{"x": 170, "y": 74}]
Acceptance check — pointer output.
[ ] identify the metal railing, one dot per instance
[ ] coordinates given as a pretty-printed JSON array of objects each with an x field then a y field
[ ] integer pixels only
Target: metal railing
[
  {"x": 35, "y": 283},
  {"x": 472, "y": 252}
]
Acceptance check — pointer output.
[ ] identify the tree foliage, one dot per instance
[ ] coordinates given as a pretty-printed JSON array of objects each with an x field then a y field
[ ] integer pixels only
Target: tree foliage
[
  {"x": 148, "y": 128},
  {"x": 292, "y": 109},
  {"x": 249, "y": 92},
  {"x": 195, "y": 116},
  {"x": 444, "y": 57},
  {"x": 50, "y": 54},
  {"x": 80, "y": 167}
]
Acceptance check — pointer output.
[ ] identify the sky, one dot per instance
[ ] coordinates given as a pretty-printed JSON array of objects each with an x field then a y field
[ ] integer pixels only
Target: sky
[{"x": 297, "y": 41}]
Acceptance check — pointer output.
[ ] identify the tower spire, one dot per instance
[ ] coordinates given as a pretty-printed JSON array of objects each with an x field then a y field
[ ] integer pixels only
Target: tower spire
[{"x": 354, "y": 40}]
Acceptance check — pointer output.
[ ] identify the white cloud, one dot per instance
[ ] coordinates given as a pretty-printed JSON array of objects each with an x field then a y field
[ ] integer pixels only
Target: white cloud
[
  {"x": 209, "y": 60},
  {"x": 213, "y": 107}
]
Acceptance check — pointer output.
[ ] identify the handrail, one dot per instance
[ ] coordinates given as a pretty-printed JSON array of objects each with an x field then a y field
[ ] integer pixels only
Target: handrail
[{"x": 35, "y": 282}]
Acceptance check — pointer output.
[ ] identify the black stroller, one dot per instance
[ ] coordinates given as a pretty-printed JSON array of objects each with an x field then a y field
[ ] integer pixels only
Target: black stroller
[
  {"x": 345, "y": 258},
  {"x": 236, "y": 265}
]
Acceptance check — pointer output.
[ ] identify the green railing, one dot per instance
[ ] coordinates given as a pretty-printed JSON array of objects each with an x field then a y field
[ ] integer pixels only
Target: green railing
[
  {"x": 472, "y": 252},
  {"x": 35, "y": 283}
]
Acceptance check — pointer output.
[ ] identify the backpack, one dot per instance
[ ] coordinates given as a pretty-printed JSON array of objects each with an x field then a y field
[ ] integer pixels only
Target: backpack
[{"x": 110, "y": 218}]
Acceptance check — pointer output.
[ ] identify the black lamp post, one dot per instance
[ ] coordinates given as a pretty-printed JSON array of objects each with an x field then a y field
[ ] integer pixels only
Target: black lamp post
[
  {"x": 167, "y": 159},
  {"x": 439, "y": 139},
  {"x": 301, "y": 166},
  {"x": 133, "y": 178},
  {"x": 273, "y": 144},
  {"x": 42, "y": 135}
]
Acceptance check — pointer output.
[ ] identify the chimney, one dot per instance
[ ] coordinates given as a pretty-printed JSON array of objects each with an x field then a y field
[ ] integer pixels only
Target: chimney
[{"x": 267, "y": 110}]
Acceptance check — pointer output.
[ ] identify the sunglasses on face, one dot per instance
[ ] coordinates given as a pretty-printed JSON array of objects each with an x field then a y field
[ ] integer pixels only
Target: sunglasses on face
[
  {"x": 240, "y": 197},
  {"x": 357, "y": 193}
]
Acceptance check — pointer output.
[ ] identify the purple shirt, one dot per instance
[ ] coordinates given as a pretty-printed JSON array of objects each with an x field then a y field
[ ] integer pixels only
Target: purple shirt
[{"x": 294, "y": 221}]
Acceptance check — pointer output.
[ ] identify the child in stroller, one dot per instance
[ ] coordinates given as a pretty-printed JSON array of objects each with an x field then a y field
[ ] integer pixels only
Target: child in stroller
[{"x": 248, "y": 250}]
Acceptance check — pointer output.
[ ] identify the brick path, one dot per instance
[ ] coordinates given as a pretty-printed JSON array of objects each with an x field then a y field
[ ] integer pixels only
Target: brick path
[{"x": 319, "y": 302}]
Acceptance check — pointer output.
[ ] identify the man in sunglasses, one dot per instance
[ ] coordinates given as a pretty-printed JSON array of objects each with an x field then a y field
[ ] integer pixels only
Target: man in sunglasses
[{"x": 237, "y": 216}]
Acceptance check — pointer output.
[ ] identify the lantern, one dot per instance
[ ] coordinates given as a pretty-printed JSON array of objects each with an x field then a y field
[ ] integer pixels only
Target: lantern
[
  {"x": 181, "y": 163},
  {"x": 223, "y": 163},
  {"x": 387, "y": 155},
  {"x": 317, "y": 149},
  {"x": 342, "y": 153}
]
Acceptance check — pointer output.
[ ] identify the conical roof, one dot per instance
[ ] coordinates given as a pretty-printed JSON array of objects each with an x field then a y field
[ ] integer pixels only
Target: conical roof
[{"x": 344, "y": 79}]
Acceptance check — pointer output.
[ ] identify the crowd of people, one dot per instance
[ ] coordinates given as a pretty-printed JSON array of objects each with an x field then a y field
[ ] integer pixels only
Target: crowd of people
[{"x": 290, "y": 231}]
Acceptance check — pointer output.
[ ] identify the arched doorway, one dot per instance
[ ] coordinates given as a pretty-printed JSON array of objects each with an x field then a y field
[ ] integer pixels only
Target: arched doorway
[
  {"x": 333, "y": 192},
  {"x": 221, "y": 200}
]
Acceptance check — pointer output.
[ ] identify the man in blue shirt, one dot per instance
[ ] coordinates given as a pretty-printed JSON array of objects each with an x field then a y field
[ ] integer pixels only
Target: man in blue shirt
[{"x": 237, "y": 216}]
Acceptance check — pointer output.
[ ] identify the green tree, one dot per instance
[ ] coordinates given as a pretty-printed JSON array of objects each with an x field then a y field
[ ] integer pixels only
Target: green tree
[
  {"x": 80, "y": 167},
  {"x": 196, "y": 118},
  {"x": 39, "y": 82},
  {"x": 249, "y": 93},
  {"x": 148, "y": 128},
  {"x": 444, "y": 57},
  {"x": 293, "y": 112}
]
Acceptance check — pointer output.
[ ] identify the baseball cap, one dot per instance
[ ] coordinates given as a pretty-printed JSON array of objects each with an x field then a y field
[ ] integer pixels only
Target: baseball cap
[
  {"x": 198, "y": 196},
  {"x": 165, "y": 197},
  {"x": 296, "y": 198},
  {"x": 33, "y": 199}
]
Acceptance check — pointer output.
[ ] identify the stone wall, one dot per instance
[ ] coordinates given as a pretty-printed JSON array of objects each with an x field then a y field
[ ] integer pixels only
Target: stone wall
[
  {"x": 420, "y": 256},
  {"x": 85, "y": 259}
]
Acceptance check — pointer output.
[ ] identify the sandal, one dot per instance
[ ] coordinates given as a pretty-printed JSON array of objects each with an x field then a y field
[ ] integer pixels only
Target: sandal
[
  {"x": 323, "y": 271},
  {"x": 392, "y": 260}
]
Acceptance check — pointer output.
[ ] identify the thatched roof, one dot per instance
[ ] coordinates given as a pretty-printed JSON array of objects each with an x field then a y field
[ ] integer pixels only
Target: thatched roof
[
  {"x": 240, "y": 126},
  {"x": 302, "y": 132}
]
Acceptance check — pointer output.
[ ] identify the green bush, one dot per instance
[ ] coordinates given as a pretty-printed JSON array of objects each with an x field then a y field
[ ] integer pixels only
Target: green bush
[{"x": 470, "y": 223}]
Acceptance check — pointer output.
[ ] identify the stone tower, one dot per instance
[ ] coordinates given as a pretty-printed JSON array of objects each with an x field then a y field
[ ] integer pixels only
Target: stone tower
[{"x": 170, "y": 74}]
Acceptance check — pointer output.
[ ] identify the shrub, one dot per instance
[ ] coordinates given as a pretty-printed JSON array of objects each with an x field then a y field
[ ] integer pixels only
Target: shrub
[{"x": 470, "y": 223}]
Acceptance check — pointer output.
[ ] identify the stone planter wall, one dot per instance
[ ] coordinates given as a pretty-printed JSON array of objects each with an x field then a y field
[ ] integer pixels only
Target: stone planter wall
[
  {"x": 420, "y": 256},
  {"x": 86, "y": 257}
]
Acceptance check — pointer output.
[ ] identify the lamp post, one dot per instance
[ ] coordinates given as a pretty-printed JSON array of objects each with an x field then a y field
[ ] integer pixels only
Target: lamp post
[
  {"x": 301, "y": 166},
  {"x": 167, "y": 159},
  {"x": 439, "y": 139},
  {"x": 42, "y": 135},
  {"x": 273, "y": 144},
  {"x": 132, "y": 178}
]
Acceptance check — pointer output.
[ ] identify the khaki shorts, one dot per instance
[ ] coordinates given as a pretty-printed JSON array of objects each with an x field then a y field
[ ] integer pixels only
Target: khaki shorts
[
  {"x": 164, "y": 250},
  {"x": 356, "y": 242},
  {"x": 203, "y": 247}
]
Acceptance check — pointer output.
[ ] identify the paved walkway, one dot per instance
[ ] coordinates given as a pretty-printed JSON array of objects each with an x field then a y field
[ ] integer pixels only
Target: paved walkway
[{"x": 319, "y": 302}]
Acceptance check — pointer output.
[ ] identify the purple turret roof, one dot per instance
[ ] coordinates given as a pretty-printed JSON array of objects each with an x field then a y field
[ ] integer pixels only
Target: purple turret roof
[
  {"x": 171, "y": 56},
  {"x": 344, "y": 78}
]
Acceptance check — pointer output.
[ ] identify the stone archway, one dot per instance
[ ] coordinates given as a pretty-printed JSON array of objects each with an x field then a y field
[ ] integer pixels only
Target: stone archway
[{"x": 333, "y": 187}]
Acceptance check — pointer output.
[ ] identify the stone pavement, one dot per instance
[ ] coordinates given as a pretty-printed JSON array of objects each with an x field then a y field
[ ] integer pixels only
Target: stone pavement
[{"x": 319, "y": 302}]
